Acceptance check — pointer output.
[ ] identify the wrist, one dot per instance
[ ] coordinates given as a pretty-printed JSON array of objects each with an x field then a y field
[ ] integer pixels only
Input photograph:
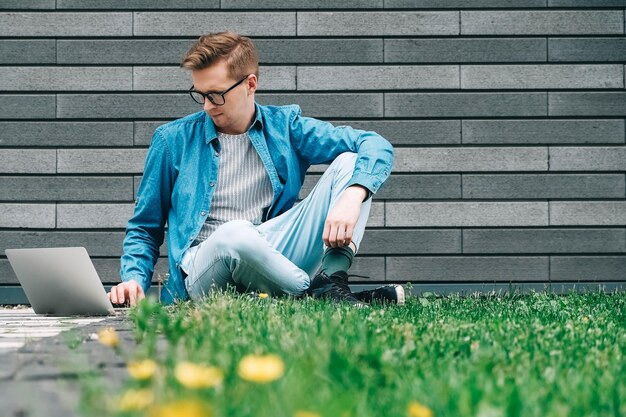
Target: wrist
[{"x": 359, "y": 191}]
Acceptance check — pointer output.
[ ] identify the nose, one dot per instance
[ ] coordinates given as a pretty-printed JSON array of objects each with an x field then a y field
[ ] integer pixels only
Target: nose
[{"x": 208, "y": 105}]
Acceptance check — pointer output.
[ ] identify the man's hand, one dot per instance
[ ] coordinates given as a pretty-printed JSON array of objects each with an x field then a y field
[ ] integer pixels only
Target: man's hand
[
  {"x": 126, "y": 291},
  {"x": 342, "y": 218}
]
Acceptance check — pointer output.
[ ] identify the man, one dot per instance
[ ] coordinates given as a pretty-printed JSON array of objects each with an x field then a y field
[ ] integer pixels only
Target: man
[{"x": 226, "y": 178}]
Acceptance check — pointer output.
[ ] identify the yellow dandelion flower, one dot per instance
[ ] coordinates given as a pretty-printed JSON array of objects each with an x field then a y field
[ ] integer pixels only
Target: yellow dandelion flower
[
  {"x": 416, "y": 409},
  {"x": 182, "y": 408},
  {"x": 304, "y": 413},
  {"x": 196, "y": 376},
  {"x": 261, "y": 369},
  {"x": 263, "y": 295},
  {"x": 136, "y": 400},
  {"x": 142, "y": 370},
  {"x": 108, "y": 337}
]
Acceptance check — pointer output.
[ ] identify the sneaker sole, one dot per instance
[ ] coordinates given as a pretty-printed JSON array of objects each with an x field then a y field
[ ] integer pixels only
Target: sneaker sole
[{"x": 400, "y": 294}]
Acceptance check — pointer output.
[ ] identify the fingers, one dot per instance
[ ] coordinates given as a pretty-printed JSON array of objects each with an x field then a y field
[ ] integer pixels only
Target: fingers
[
  {"x": 132, "y": 294},
  {"x": 121, "y": 289},
  {"x": 113, "y": 294},
  {"x": 326, "y": 234}
]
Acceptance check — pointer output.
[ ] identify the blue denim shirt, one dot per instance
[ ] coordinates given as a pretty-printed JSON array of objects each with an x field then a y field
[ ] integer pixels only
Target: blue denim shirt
[{"x": 180, "y": 175}]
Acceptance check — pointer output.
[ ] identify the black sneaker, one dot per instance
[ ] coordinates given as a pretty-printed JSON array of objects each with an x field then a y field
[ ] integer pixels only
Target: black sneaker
[
  {"x": 333, "y": 287},
  {"x": 390, "y": 294}
]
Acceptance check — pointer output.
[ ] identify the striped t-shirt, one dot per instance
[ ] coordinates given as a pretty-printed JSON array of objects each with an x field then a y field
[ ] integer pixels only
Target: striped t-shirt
[{"x": 243, "y": 190}]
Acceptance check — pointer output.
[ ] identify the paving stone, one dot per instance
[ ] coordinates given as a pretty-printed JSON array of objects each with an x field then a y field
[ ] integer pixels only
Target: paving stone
[
  {"x": 587, "y": 213},
  {"x": 468, "y": 268},
  {"x": 27, "y": 161},
  {"x": 465, "y": 104},
  {"x": 551, "y": 76},
  {"x": 187, "y": 23},
  {"x": 65, "y": 78},
  {"x": 66, "y": 188},
  {"x": 30, "y": 216},
  {"x": 471, "y": 159},
  {"x": 109, "y": 161},
  {"x": 539, "y": 22},
  {"x": 60, "y": 134},
  {"x": 543, "y": 131},
  {"x": 32, "y": 51},
  {"x": 465, "y": 50},
  {"x": 386, "y": 77},
  {"x": 522, "y": 241},
  {"x": 174, "y": 78},
  {"x": 460, "y": 214},
  {"x": 25, "y": 106},
  {"x": 541, "y": 186},
  {"x": 387, "y": 23},
  {"x": 403, "y": 187},
  {"x": 587, "y": 49},
  {"x": 588, "y": 158},
  {"x": 588, "y": 268},
  {"x": 35, "y": 24}
]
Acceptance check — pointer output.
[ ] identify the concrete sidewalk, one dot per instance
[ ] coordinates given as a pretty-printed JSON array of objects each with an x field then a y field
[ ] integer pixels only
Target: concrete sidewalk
[{"x": 39, "y": 371}]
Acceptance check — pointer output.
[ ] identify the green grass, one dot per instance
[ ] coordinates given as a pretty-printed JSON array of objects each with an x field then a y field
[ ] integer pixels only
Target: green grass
[{"x": 518, "y": 355}]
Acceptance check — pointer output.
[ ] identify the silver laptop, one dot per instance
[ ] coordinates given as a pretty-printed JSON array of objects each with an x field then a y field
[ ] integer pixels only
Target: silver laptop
[{"x": 60, "y": 281}]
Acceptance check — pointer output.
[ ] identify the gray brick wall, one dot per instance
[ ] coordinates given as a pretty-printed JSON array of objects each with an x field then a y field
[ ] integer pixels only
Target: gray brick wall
[{"x": 508, "y": 119}]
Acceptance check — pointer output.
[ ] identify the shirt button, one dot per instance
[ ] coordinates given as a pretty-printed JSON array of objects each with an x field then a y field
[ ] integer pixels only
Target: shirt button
[
  {"x": 217, "y": 154},
  {"x": 203, "y": 212},
  {"x": 211, "y": 183},
  {"x": 190, "y": 239}
]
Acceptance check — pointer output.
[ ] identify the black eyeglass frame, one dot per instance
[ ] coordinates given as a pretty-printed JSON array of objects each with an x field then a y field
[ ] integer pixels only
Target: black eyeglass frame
[{"x": 209, "y": 95}]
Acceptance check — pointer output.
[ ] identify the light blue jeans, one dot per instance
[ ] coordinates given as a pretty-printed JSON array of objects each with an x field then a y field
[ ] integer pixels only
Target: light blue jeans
[{"x": 280, "y": 256}]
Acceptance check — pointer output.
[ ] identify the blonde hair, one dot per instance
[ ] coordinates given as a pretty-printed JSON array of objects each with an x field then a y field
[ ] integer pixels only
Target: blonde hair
[{"x": 238, "y": 51}]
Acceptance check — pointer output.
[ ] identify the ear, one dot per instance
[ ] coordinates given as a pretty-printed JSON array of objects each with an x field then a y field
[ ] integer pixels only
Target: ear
[{"x": 252, "y": 84}]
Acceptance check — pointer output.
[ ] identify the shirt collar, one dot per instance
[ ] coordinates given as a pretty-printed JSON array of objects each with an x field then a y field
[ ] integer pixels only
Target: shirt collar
[{"x": 211, "y": 131}]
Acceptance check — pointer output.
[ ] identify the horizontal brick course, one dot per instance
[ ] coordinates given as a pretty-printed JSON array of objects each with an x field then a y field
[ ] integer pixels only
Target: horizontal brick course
[
  {"x": 27, "y": 216},
  {"x": 587, "y": 104},
  {"x": 541, "y": 76},
  {"x": 465, "y": 104},
  {"x": 471, "y": 159},
  {"x": 110, "y": 161},
  {"x": 461, "y": 214},
  {"x": 466, "y": 50},
  {"x": 65, "y": 78},
  {"x": 66, "y": 188},
  {"x": 20, "y": 24},
  {"x": 105, "y": 134},
  {"x": 588, "y": 268},
  {"x": 38, "y": 106},
  {"x": 588, "y": 158},
  {"x": 378, "y": 77},
  {"x": 386, "y": 23},
  {"x": 540, "y": 22},
  {"x": 468, "y": 268},
  {"x": 31, "y": 51},
  {"x": 542, "y": 186},
  {"x": 487, "y": 241},
  {"x": 587, "y": 213},
  {"x": 587, "y": 49},
  {"x": 193, "y": 23},
  {"x": 27, "y": 161},
  {"x": 543, "y": 131}
]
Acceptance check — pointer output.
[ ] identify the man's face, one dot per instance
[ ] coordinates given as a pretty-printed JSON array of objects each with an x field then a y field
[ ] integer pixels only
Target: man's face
[{"x": 238, "y": 101}]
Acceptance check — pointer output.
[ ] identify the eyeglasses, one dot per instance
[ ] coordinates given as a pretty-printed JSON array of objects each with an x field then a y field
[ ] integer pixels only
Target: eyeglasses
[{"x": 215, "y": 98}]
